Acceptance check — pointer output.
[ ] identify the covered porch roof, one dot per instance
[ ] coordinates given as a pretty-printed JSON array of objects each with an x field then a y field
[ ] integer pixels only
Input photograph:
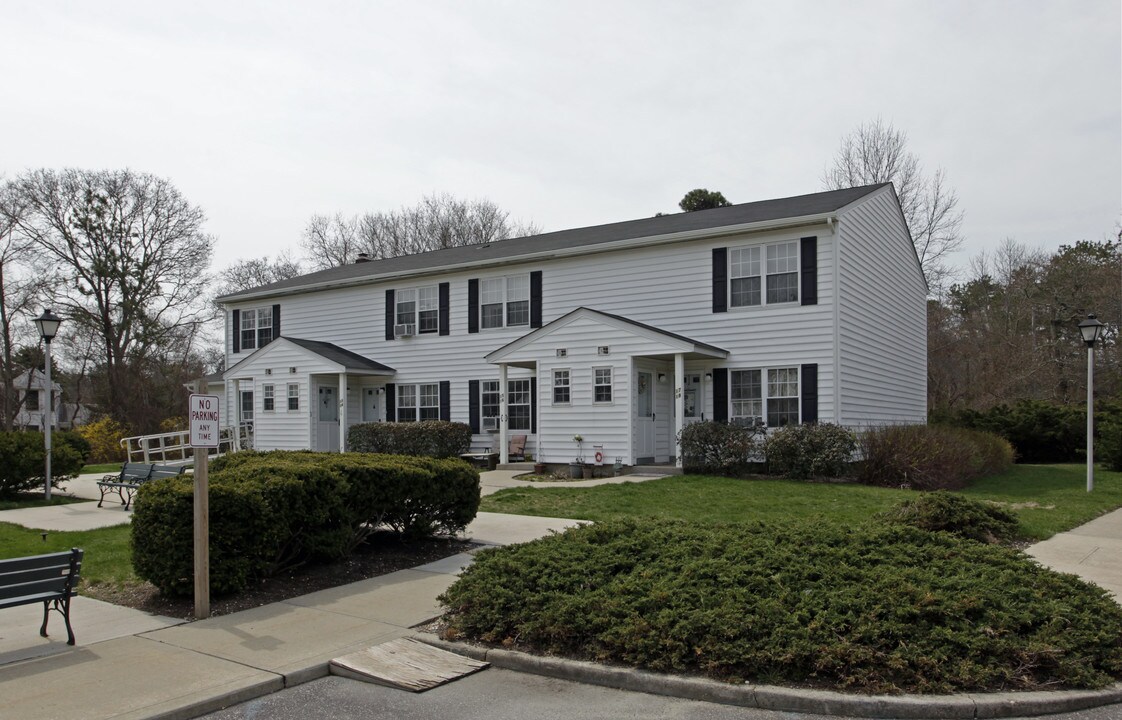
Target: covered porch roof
[
  {"x": 524, "y": 351},
  {"x": 322, "y": 357}
]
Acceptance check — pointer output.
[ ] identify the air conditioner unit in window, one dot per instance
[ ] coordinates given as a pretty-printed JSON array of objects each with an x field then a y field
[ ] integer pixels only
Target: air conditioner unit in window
[
  {"x": 404, "y": 330},
  {"x": 490, "y": 424}
]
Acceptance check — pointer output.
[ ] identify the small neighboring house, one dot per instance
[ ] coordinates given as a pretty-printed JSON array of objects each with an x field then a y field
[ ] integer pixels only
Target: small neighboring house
[
  {"x": 795, "y": 310},
  {"x": 32, "y": 394}
]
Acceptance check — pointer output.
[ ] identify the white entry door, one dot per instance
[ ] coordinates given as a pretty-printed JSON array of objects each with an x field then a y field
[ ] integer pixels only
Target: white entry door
[
  {"x": 644, "y": 416},
  {"x": 327, "y": 420},
  {"x": 370, "y": 405}
]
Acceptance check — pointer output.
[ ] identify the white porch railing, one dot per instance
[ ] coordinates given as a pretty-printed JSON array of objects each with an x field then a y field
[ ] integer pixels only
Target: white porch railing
[{"x": 175, "y": 447}]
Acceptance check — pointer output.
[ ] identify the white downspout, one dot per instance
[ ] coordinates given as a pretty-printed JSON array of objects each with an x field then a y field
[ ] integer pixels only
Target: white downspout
[
  {"x": 503, "y": 454},
  {"x": 342, "y": 412},
  {"x": 835, "y": 224},
  {"x": 679, "y": 405}
]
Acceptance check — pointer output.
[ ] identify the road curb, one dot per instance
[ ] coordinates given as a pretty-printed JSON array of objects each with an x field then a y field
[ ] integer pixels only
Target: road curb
[{"x": 967, "y": 706}]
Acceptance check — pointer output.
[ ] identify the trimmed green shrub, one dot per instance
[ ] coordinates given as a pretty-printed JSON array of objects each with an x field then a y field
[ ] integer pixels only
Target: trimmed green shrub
[
  {"x": 714, "y": 448},
  {"x": 1041, "y": 432},
  {"x": 306, "y": 507},
  {"x": 942, "y": 511},
  {"x": 930, "y": 457},
  {"x": 1108, "y": 444},
  {"x": 430, "y": 438},
  {"x": 806, "y": 451},
  {"x": 874, "y": 608},
  {"x": 23, "y": 458}
]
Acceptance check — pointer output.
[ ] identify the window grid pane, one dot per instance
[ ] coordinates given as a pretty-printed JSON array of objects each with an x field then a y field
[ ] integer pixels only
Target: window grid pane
[
  {"x": 561, "y": 386},
  {"x": 406, "y": 403},
  {"x": 518, "y": 313},
  {"x": 783, "y": 397},
  {"x": 745, "y": 291},
  {"x": 602, "y": 385},
  {"x": 783, "y": 288},
  {"x": 747, "y": 394},
  {"x": 491, "y": 316},
  {"x": 489, "y": 400},
  {"x": 267, "y": 399},
  {"x": 406, "y": 307},
  {"x": 518, "y": 404},
  {"x": 293, "y": 396}
]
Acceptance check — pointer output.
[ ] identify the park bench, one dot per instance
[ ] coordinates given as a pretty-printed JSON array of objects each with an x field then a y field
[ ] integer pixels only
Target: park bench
[
  {"x": 49, "y": 579},
  {"x": 131, "y": 477}
]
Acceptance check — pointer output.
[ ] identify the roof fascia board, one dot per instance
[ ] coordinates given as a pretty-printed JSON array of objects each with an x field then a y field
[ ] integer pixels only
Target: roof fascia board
[{"x": 629, "y": 243}]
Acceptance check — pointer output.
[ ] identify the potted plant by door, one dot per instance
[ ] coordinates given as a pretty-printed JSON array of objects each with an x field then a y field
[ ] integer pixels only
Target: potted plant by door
[{"x": 576, "y": 468}]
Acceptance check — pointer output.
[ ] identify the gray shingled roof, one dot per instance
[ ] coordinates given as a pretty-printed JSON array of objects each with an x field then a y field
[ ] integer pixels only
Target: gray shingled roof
[
  {"x": 334, "y": 353},
  {"x": 449, "y": 258}
]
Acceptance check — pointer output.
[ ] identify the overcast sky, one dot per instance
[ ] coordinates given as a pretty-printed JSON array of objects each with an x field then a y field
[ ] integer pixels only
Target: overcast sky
[{"x": 568, "y": 113}]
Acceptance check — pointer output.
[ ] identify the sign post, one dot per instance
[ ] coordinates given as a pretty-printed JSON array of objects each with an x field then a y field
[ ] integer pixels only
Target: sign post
[{"x": 204, "y": 423}]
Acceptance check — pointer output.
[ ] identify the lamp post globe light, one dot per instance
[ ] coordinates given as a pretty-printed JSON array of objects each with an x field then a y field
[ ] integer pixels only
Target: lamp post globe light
[
  {"x": 48, "y": 324},
  {"x": 1090, "y": 329}
]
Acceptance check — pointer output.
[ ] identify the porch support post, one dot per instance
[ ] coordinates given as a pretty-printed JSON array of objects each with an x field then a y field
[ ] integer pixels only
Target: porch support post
[
  {"x": 342, "y": 412},
  {"x": 503, "y": 456},
  {"x": 679, "y": 405}
]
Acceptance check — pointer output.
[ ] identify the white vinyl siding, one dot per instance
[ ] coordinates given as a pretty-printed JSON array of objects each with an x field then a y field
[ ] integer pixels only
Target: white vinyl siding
[{"x": 882, "y": 325}]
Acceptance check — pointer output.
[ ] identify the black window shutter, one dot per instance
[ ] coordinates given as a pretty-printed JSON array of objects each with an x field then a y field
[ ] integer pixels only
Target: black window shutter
[
  {"x": 276, "y": 322},
  {"x": 473, "y": 305},
  {"x": 391, "y": 402},
  {"x": 390, "y": 310},
  {"x": 534, "y": 405},
  {"x": 473, "y": 405},
  {"x": 720, "y": 280},
  {"x": 237, "y": 323},
  {"x": 444, "y": 289},
  {"x": 721, "y": 394},
  {"x": 808, "y": 382},
  {"x": 536, "y": 299},
  {"x": 808, "y": 262},
  {"x": 445, "y": 400}
]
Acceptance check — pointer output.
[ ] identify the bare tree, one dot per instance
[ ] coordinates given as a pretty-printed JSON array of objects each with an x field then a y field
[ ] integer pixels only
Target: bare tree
[
  {"x": 438, "y": 221},
  {"x": 876, "y": 152},
  {"x": 130, "y": 256},
  {"x": 20, "y": 290},
  {"x": 255, "y": 272}
]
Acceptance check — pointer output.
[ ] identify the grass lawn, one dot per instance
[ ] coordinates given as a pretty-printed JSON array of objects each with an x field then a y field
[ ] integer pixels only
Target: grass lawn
[
  {"x": 25, "y": 500},
  {"x": 108, "y": 555},
  {"x": 1058, "y": 490},
  {"x": 102, "y": 468}
]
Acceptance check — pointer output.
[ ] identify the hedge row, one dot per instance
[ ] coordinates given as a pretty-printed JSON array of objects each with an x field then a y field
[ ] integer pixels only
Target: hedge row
[
  {"x": 430, "y": 438},
  {"x": 930, "y": 457},
  {"x": 270, "y": 511},
  {"x": 23, "y": 459},
  {"x": 874, "y": 608}
]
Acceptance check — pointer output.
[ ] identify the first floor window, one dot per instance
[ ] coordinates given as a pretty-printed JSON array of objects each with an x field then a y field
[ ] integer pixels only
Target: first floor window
[
  {"x": 489, "y": 398},
  {"x": 518, "y": 404},
  {"x": 430, "y": 401},
  {"x": 293, "y": 396},
  {"x": 560, "y": 387},
  {"x": 31, "y": 400},
  {"x": 406, "y": 403},
  {"x": 782, "y": 397},
  {"x": 418, "y": 402},
  {"x": 267, "y": 398},
  {"x": 247, "y": 406},
  {"x": 602, "y": 385},
  {"x": 776, "y": 401}
]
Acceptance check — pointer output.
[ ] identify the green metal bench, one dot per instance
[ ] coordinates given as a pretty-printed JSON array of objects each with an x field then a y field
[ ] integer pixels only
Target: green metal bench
[
  {"x": 49, "y": 579},
  {"x": 130, "y": 478}
]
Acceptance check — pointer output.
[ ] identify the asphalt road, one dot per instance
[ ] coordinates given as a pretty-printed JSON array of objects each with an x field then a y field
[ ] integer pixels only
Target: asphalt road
[{"x": 496, "y": 694}]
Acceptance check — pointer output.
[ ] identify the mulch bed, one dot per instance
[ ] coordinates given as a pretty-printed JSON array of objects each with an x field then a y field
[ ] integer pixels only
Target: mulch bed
[{"x": 383, "y": 553}]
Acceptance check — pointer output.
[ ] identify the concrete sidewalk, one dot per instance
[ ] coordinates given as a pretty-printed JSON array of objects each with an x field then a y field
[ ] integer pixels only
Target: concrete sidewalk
[
  {"x": 156, "y": 667},
  {"x": 1092, "y": 551}
]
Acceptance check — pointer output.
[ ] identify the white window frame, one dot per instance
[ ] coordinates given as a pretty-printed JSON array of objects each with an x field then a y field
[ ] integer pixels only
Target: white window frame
[
  {"x": 515, "y": 392},
  {"x": 597, "y": 384},
  {"x": 293, "y": 407},
  {"x": 425, "y": 299},
  {"x": 255, "y": 322},
  {"x": 769, "y": 381},
  {"x": 764, "y": 263},
  {"x": 504, "y": 291},
  {"x": 425, "y": 401},
  {"x": 489, "y": 387},
  {"x": 268, "y": 398},
  {"x": 557, "y": 385}
]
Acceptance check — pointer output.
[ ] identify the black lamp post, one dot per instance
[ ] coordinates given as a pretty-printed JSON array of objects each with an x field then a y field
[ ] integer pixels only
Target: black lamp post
[
  {"x": 48, "y": 324},
  {"x": 1090, "y": 329}
]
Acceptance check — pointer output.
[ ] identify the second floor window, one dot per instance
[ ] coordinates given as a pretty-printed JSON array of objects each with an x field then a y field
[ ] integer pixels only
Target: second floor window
[
  {"x": 419, "y": 307},
  {"x": 504, "y": 302},
  {"x": 764, "y": 274},
  {"x": 31, "y": 400},
  {"x": 256, "y": 328}
]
